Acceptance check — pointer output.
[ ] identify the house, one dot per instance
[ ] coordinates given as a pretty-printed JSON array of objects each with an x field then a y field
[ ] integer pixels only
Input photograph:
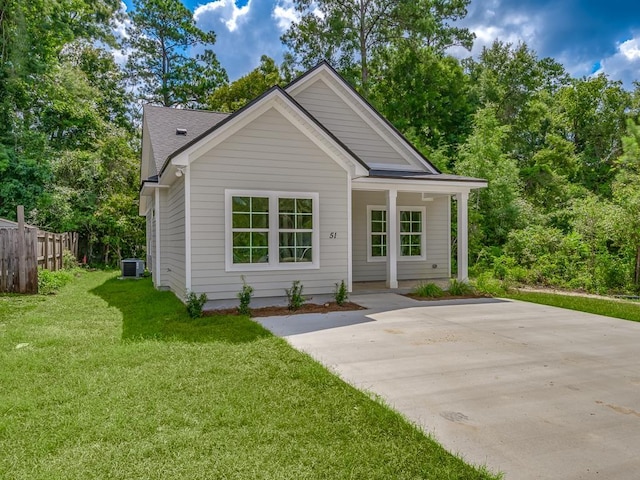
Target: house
[{"x": 307, "y": 182}]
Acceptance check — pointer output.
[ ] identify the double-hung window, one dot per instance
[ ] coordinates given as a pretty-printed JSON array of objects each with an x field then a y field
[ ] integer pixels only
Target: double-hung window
[
  {"x": 271, "y": 230},
  {"x": 411, "y": 238}
]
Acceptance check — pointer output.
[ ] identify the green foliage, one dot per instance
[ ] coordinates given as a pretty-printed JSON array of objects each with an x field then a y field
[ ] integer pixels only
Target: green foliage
[
  {"x": 232, "y": 97},
  {"x": 195, "y": 303},
  {"x": 598, "y": 306},
  {"x": 69, "y": 261},
  {"x": 294, "y": 295},
  {"x": 50, "y": 282},
  {"x": 488, "y": 284},
  {"x": 244, "y": 296},
  {"x": 497, "y": 209},
  {"x": 340, "y": 293},
  {"x": 349, "y": 35},
  {"x": 459, "y": 288},
  {"x": 428, "y": 290},
  {"x": 160, "y": 36}
]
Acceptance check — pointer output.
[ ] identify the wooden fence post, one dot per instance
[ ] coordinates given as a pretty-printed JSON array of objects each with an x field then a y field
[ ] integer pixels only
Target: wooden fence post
[{"x": 22, "y": 260}]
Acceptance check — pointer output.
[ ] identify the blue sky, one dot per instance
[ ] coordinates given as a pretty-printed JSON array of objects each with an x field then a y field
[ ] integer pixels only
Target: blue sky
[{"x": 586, "y": 36}]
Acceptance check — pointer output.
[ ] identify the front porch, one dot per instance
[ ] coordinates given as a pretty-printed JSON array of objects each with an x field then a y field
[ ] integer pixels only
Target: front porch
[{"x": 401, "y": 230}]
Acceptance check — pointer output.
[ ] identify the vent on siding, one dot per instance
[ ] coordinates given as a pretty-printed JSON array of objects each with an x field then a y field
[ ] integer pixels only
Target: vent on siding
[{"x": 181, "y": 131}]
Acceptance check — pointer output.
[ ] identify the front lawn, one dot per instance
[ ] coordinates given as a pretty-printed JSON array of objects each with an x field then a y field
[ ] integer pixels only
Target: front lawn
[
  {"x": 110, "y": 379},
  {"x": 600, "y": 306}
]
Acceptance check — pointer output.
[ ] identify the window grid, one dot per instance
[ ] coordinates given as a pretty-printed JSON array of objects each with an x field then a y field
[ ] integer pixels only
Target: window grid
[
  {"x": 378, "y": 233},
  {"x": 295, "y": 233},
  {"x": 250, "y": 229},
  {"x": 410, "y": 233}
]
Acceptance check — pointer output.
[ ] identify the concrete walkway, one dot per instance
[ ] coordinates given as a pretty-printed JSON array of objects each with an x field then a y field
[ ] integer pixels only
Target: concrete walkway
[{"x": 536, "y": 392}]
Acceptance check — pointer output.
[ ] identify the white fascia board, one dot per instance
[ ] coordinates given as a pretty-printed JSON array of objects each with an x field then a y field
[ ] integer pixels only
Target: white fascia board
[
  {"x": 349, "y": 97},
  {"x": 433, "y": 186},
  {"x": 283, "y": 105},
  {"x": 148, "y": 189}
]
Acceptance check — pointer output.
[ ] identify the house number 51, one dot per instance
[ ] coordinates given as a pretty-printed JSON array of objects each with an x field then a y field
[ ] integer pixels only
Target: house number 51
[{"x": 333, "y": 234}]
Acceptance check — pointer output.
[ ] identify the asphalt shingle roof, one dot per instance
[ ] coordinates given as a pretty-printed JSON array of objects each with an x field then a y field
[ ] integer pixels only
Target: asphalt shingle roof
[{"x": 162, "y": 123}]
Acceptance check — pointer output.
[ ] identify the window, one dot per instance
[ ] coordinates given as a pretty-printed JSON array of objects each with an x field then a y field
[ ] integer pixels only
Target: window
[
  {"x": 271, "y": 230},
  {"x": 410, "y": 233},
  {"x": 250, "y": 227},
  {"x": 295, "y": 230},
  {"x": 378, "y": 234},
  {"x": 411, "y": 236}
]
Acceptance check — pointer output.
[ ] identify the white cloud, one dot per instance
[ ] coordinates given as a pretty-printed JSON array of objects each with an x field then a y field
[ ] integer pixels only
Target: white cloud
[
  {"x": 228, "y": 13},
  {"x": 624, "y": 64},
  {"x": 630, "y": 49},
  {"x": 285, "y": 14}
]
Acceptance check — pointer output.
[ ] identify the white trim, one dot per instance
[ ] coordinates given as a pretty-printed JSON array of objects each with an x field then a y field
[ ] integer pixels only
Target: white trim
[
  {"x": 187, "y": 228},
  {"x": 349, "y": 235},
  {"x": 408, "y": 185},
  {"x": 392, "y": 137},
  {"x": 156, "y": 273},
  {"x": 463, "y": 237},
  {"x": 399, "y": 210},
  {"x": 449, "y": 238},
  {"x": 392, "y": 240},
  {"x": 371, "y": 208},
  {"x": 423, "y": 234},
  {"x": 274, "y": 263}
]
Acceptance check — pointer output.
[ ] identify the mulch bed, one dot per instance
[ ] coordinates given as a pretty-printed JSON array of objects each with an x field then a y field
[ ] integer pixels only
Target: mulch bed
[
  {"x": 446, "y": 297},
  {"x": 283, "y": 311}
]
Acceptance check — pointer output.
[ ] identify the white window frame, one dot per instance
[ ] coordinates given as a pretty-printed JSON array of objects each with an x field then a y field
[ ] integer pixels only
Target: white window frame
[
  {"x": 274, "y": 231},
  {"x": 399, "y": 209},
  {"x": 370, "y": 210}
]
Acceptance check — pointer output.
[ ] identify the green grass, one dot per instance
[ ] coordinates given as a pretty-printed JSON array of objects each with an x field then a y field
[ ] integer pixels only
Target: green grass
[
  {"x": 609, "y": 308},
  {"x": 118, "y": 382}
]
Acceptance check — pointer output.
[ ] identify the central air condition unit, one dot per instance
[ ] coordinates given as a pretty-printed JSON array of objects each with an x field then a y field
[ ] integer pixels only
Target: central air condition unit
[{"x": 132, "y": 268}]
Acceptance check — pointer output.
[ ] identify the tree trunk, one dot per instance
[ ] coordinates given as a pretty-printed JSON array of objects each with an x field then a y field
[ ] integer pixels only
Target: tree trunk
[
  {"x": 363, "y": 50},
  {"x": 636, "y": 277}
]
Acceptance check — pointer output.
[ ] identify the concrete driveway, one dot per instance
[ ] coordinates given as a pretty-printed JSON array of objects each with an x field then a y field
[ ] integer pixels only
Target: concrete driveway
[{"x": 529, "y": 390}]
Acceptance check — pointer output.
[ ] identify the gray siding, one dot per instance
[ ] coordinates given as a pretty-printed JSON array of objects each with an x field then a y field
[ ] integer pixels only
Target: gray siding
[
  {"x": 268, "y": 154},
  {"x": 172, "y": 238},
  {"x": 437, "y": 231},
  {"x": 347, "y": 125}
]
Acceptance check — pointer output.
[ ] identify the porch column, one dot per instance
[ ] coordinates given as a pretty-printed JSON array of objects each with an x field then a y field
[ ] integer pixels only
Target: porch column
[
  {"x": 463, "y": 236},
  {"x": 392, "y": 239}
]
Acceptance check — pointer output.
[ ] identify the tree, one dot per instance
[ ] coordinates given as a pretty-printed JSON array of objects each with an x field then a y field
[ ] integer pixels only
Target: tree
[
  {"x": 162, "y": 37},
  {"x": 626, "y": 193},
  {"x": 497, "y": 209},
  {"x": 229, "y": 98},
  {"x": 424, "y": 94},
  {"x": 349, "y": 33}
]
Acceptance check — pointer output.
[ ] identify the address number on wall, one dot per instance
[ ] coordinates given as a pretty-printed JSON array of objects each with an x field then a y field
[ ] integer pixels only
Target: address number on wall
[{"x": 333, "y": 234}]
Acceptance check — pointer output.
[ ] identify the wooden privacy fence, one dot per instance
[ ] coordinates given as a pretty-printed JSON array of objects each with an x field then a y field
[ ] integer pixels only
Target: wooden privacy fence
[{"x": 23, "y": 249}]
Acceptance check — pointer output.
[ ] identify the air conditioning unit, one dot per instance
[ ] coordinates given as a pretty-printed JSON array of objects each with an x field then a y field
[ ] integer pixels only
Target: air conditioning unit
[{"x": 132, "y": 268}]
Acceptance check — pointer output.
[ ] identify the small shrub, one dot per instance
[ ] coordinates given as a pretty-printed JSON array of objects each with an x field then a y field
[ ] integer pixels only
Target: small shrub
[
  {"x": 428, "y": 290},
  {"x": 459, "y": 288},
  {"x": 294, "y": 295},
  {"x": 195, "y": 303},
  {"x": 486, "y": 283},
  {"x": 244, "y": 296},
  {"x": 50, "y": 282},
  {"x": 69, "y": 262},
  {"x": 340, "y": 294}
]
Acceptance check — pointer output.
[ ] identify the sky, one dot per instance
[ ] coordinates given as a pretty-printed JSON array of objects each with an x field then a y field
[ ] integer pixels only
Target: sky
[{"x": 586, "y": 36}]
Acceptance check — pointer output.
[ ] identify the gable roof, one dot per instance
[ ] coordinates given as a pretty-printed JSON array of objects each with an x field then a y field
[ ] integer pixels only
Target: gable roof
[
  {"x": 162, "y": 122},
  {"x": 387, "y": 126},
  {"x": 281, "y": 92}
]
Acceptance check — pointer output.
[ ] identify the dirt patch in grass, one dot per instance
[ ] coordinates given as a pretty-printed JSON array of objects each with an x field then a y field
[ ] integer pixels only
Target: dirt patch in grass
[
  {"x": 447, "y": 297},
  {"x": 283, "y": 311}
]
